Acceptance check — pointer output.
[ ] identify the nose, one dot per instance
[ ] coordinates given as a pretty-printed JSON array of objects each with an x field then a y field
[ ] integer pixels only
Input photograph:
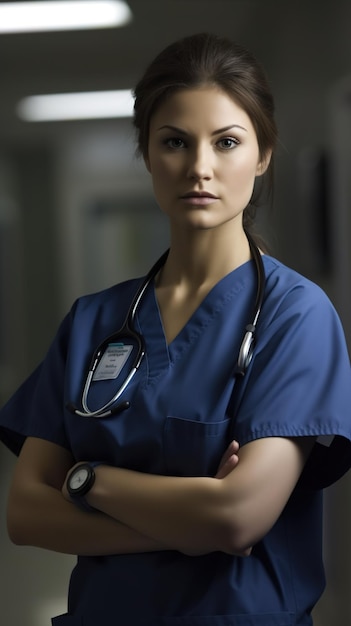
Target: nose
[{"x": 200, "y": 166}]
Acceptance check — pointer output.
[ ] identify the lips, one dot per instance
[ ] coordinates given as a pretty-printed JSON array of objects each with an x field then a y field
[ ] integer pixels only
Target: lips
[
  {"x": 199, "y": 198},
  {"x": 200, "y": 194}
]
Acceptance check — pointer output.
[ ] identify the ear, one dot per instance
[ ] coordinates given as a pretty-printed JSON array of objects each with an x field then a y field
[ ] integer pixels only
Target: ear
[{"x": 264, "y": 163}]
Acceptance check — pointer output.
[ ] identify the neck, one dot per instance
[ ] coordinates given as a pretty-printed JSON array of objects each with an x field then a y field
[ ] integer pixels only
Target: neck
[{"x": 199, "y": 260}]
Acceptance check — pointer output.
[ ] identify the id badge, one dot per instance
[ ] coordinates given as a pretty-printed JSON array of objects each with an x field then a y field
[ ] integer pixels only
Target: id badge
[{"x": 112, "y": 361}]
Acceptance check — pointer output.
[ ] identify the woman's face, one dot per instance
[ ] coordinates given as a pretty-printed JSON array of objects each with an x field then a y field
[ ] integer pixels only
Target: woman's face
[{"x": 203, "y": 157}]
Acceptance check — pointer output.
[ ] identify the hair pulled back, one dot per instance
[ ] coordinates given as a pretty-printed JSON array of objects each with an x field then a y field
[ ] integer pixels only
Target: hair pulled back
[{"x": 206, "y": 59}]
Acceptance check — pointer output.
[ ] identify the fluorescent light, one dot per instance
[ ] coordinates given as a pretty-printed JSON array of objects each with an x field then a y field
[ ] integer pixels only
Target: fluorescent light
[
  {"x": 76, "y": 106},
  {"x": 21, "y": 17}
]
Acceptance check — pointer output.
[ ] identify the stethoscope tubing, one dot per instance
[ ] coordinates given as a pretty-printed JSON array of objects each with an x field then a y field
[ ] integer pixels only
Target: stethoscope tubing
[
  {"x": 247, "y": 345},
  {"x": 127, "y": 328}
]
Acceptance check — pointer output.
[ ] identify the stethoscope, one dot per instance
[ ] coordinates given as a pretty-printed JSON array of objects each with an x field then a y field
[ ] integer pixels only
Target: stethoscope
[{"x": 127, "y": 331}]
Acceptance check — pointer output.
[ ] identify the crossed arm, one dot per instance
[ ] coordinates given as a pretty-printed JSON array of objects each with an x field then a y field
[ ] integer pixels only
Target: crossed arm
[{"x": 139, "y": 512}]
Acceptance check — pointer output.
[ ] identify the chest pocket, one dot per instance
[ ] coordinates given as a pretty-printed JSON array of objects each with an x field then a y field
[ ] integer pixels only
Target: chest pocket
[{"x": 194, "y": 448}]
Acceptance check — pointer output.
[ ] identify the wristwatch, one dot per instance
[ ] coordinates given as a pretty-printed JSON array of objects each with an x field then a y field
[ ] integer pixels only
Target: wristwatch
[{"x": 79, "y": 483}]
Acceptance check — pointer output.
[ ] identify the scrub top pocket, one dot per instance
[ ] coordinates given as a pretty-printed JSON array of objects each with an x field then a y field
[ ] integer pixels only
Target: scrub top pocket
[{"x": 194, "y": 448}]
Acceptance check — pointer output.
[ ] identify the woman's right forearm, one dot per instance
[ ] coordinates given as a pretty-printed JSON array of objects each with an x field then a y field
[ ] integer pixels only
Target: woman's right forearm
[{"x": 40, "y": 516}]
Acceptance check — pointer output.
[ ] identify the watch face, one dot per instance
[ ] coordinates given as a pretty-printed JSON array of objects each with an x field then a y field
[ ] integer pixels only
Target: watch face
[{"x": 79, "y": 478}]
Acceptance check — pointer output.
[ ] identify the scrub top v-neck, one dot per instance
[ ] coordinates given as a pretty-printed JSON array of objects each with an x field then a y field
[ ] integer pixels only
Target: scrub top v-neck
[{"x": 171, "y": 396}]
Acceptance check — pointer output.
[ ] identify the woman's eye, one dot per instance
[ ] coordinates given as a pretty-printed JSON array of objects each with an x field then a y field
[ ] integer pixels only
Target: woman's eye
[
  {"x": 174, "y": 143},
  {"x": 227, "y": 143}
]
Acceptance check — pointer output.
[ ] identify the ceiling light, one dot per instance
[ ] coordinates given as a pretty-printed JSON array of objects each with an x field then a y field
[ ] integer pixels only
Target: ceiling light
[
  {"x": 21, "y": 17},
  {"x": 76, "y": 106}
]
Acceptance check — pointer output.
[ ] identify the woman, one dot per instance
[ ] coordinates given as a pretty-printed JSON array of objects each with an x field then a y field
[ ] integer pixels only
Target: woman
[{"x": 171, "y": 521}]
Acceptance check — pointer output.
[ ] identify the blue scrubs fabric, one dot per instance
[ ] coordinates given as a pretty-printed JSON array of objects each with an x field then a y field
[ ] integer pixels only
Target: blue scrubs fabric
[{"x": 186, "y": 406}]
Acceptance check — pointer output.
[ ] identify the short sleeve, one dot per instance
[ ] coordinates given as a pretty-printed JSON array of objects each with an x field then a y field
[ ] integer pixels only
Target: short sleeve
[
  {"x": 39, "y": 408},
  {"x": 299, "y": 381},
  {"x": 36, "y": 409}
]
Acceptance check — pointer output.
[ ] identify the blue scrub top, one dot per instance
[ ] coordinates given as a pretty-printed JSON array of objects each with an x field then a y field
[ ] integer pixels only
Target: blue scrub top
[{"x": 186, "y": 406}]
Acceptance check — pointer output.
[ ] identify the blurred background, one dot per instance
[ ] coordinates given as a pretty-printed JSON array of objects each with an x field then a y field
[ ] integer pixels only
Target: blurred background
[{"x": 77, "y": 212}]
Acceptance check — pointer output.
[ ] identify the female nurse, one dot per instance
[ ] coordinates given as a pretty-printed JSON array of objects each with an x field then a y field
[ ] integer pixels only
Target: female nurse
[{"x": 194, "y": 498}]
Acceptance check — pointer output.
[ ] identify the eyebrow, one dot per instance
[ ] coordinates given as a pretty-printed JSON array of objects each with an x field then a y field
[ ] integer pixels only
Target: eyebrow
[{"x": 215, "y": 132}]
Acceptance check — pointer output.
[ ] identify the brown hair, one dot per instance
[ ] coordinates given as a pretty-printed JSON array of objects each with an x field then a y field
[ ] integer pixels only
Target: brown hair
[{"x": 206, "y": 59}]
